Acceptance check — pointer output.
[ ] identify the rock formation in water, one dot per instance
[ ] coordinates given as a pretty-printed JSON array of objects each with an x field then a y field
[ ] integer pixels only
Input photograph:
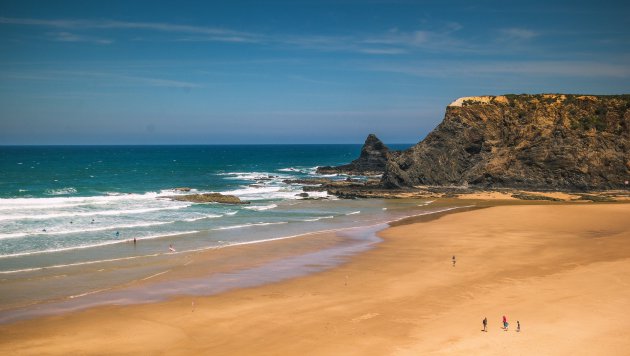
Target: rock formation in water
[
  {"x": 548, "y": 141},
  {"x": 208, "y": 198},
  {"x": 372, "y": 161}
]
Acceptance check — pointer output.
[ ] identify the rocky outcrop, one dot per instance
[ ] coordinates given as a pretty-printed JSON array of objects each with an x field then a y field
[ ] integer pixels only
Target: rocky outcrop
[
  {"x": 372, "y": 161},
  {"x": 208, "y": 198},
  {"x": 182, "y": 189},
  {"x": 559, "y": 142}
]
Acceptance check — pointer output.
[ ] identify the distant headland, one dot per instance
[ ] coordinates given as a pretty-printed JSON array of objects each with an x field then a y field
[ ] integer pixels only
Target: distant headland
[{"x": 560, "y": 142}]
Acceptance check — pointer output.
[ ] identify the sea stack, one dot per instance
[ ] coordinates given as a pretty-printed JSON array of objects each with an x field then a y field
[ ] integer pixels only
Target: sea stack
[
  {"x": 543, "y": 142},
  {"x": 372, "y": 161}
]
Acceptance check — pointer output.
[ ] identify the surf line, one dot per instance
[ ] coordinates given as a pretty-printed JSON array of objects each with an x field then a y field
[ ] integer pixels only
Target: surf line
[
  {"x": 155, "y": 275},
  {"x": 88, "y": 293}
]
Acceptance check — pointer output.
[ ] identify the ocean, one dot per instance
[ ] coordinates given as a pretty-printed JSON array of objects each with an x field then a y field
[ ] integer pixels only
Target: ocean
[{"x": 69, "y": 214}]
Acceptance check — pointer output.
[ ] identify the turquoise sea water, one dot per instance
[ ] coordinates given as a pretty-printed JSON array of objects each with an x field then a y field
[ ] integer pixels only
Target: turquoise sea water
[
  {"x": 69, "y": 216},
  {"x": 70, "y": 205}
]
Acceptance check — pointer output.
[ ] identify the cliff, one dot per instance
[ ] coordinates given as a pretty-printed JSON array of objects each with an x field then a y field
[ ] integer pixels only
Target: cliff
[
  {"x": 560, "y": 142},
  {"x": 372, "y": 161}
]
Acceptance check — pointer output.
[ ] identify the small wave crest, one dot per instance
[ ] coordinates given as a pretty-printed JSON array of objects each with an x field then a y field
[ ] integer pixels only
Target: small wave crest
[
  {"x": 250, "y": 225},
  {"x": 320, "y": 218},
  {"x": 86, "y": 230},
  {"x": 100, "y": 244},
  {"x": 61, "y": 191},
  {"x": 261, "y": 207},
  {"x": 211, "y": 216},
  {"x": 90, "y": 213}
]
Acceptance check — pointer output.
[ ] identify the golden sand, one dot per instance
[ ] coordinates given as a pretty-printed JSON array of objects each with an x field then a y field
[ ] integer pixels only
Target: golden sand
[{"x": 563, "y": 271}]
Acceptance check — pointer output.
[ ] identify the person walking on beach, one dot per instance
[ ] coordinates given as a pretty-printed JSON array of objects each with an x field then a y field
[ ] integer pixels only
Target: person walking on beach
[
  {"x": 485, "y": 324},
  {"x": 505, "y": 323},
  {"x": 518, "y": 326},
  {"x": 454, "y": 260}
]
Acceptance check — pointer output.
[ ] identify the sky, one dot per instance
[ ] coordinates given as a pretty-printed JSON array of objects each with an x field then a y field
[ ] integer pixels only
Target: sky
[{"x": 275, "y": 72}]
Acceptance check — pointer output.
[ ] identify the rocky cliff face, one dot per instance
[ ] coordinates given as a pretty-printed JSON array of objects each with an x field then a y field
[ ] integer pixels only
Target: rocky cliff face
[
  {"x": 567, "y": 142},
  {"x": 372, "y": 161}
]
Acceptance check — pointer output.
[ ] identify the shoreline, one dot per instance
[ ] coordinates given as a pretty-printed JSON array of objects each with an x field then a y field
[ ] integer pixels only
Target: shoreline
[
  {"x": 394, "y": 271},
  {"x": 333, "y": 246}
]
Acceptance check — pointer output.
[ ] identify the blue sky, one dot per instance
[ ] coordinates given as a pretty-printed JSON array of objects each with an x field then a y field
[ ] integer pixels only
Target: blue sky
[{"x": 139, "y": 72}]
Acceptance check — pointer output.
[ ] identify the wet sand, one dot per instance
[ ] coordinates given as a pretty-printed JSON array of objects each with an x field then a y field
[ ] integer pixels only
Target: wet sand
[{"x": 563, "y": 271}]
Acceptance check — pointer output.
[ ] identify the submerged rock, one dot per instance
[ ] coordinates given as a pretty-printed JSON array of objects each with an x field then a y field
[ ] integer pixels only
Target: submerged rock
[{"x": 209, "y": 198}]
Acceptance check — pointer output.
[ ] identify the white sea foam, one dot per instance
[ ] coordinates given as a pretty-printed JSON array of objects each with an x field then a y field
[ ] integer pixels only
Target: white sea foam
[
  {"x": 86, "y": 230},
  {"x": 89, "y": 213},
  {"x": 250, "y": 225},
  {"x": 100, "y": 244},
  {"x": 13, "y": 235},
  {"x": 354, "y": 212},
  {"x": 320, "y": 218},
  {"x": 51, "y": 205},
  {"x": 61, "y": 191},
  {"x": 46, "y": 203},
  {"x": 289, "y": 169},
  {"x": 221, "y": 246},
  {"x": 261, "y": 207},
  {"x": 252, "y": 175},
  {"x": 211, "y": 216},
  {"x": 303, "y": 170}
]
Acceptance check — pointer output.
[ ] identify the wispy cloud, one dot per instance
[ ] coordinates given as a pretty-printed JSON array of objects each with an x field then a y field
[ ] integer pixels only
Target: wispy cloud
[
  {"x": 451, "y": 69},
  {"x": 103, "y": 78},
  {"x": 234, "y": 39},
  {"x": 73, "y": 37},
  {"x": 392, "y": 42},
  {"x": 217, "y": 33}
]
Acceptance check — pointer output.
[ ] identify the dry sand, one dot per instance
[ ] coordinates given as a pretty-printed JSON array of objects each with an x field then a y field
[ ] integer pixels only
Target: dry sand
[{"x": 563, "y": 271}]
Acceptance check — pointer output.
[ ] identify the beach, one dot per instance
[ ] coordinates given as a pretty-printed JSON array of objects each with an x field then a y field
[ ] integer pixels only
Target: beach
[{"x": 561, "y": 270}]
